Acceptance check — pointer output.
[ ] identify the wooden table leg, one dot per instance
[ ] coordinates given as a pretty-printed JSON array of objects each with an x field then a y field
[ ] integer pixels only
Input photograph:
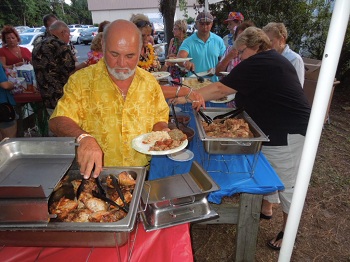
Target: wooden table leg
[{"x": 248, "y": 226}]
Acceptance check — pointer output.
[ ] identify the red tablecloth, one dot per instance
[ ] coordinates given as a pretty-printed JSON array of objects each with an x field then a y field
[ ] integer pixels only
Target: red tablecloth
[
  {"x": 171, "y": 245},
  {"x": 27, "y": 98}
]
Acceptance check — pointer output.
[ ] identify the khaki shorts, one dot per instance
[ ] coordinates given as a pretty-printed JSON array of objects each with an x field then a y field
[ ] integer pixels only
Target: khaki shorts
[{"x": 285, "y": 161}]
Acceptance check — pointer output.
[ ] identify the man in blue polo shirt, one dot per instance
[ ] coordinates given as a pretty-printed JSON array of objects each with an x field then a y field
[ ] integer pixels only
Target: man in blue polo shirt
[{"x": 204, "y": 47}]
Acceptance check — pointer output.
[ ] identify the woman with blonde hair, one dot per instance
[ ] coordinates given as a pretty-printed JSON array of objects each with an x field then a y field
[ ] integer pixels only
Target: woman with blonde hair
[
  {"x": 179, "y": 31},
  {"x": 277, "y": 32},
  {"x": 267, "y": 86},
  {"x": 148, "y": 58}
]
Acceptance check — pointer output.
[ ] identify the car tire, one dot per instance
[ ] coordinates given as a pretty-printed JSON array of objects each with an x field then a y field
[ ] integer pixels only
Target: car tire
[{"x": 86, "y": 43}]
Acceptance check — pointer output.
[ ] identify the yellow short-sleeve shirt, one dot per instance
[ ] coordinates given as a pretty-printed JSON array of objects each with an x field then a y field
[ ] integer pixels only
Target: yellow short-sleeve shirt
[{"x": 93, "y": 101}]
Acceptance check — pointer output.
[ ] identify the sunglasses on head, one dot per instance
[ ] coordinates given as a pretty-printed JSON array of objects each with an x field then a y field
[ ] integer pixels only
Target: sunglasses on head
[{"x": 141, "y": 24}]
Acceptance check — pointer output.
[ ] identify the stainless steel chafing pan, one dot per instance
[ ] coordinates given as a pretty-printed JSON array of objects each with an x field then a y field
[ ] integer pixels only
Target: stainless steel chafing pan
[
  {"x": 36, "y": 166},
  {"x": 178, "y": 199},
  {"x": 216, "y": 145}
]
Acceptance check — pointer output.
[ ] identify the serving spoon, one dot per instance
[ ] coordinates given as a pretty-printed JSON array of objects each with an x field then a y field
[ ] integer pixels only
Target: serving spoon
[
  {"x": 179, "y": 84},
  {"x": 199, "y": 78}
]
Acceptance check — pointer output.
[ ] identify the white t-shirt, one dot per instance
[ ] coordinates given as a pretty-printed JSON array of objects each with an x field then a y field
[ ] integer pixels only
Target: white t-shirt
[{"x": 296, "y": 61}]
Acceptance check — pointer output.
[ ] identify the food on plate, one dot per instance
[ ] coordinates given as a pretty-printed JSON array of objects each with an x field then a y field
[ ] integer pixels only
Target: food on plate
[
  {"x": 91, "y": 201},
  {"x": 175, "y": 140},
  {"x": 232, "y": 128},
  {"x": 156, "y": 136},
  {"x": 194, "y": 83},
  {"x": 177, "y": 134}
]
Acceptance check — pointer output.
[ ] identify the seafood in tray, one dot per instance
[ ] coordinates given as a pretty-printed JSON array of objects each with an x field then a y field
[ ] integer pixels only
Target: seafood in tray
[
  {"x": 88, "y": 200},
  {"x": 218, "y": 137},
  {"x": 232, "y": 127}
]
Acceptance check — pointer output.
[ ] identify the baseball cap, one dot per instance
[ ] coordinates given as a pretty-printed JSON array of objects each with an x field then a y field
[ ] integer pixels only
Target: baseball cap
[
  {"x": 204, "y": 17},
  {"x": 234, "y": 16}
]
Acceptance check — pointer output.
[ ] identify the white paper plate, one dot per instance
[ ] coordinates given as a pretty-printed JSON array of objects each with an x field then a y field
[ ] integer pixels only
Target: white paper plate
[
  {"x": 224, "y": 73},
  {"x": 228, "y": 99},
  {"x": 160, "y": 75},
  {"x": 144, "y": 148},
  {"x": 158, "y": 45},
  {"x": 182, "y": 156},
  {"x": 200, "y": 74},
  {"x": 178, "y": 60}
]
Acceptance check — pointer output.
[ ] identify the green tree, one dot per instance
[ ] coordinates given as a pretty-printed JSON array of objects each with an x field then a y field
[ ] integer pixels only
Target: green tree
[
  {"x": 167, "y": 8},
  {"x": 294, "y": 14},
  {"x": 31, "y": 12}
]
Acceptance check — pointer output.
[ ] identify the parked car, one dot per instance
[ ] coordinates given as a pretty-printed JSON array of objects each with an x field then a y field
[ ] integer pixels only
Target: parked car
[
  {"x": 33, "y": 30},
  {"x": 20, "y": 29},
  {"x": 74, "y": 26},
  {"x": 87, "y": 35},
  {"x": 74, "y": 34},
  {"x": 28, "y": 40}
]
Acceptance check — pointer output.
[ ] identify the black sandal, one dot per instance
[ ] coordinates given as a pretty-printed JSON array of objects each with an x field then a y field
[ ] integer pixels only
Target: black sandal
[
  {"x": 279, "y": 237},
  {"x": 263, "y": 216}
]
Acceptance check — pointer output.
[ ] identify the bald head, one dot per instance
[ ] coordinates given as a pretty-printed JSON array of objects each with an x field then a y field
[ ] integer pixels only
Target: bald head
[
  {"x": 122, "y": 29},
  {"x": 121, "y": 45},
  {"x": 60, "y": 30}
]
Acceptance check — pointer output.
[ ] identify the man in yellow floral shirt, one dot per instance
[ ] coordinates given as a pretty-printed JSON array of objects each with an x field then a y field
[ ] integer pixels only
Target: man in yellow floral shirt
[{"x": 105, "y": 106}]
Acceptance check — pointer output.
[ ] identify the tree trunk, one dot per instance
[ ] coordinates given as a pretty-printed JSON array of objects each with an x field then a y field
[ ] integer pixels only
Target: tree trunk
[{"x": 168, "y": 8}]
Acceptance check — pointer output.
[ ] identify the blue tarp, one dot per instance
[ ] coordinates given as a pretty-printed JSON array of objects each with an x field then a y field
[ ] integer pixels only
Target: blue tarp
[{"x": 233, "y": 173}]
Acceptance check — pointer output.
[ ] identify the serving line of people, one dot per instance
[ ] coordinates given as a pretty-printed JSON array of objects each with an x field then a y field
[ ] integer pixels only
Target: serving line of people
[
  {"x": 108, "y": 104},
  {"x": 267, "y": 86}
]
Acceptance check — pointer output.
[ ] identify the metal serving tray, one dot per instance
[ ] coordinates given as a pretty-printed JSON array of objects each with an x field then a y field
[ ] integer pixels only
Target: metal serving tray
[
  {"x": 30, "y": 168},
  {"x": 178, "y": 199},
  {"x": 230, "y": 145},
  {"x": 74, "y": 233},
  {"x": 24, "y": 217}
]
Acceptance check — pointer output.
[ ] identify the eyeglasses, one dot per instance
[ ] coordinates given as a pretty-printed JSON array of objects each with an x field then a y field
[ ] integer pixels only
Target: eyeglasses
[
  {"x": 175, "y": 29},
  {"x": 240, "y": 52},
  {"x": 204, "y": 23},
  {"x": 141, "y": 24}
]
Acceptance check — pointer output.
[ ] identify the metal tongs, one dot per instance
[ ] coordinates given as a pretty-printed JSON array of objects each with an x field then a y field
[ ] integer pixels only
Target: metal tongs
[
  {"x": 120, "y": 193},
  {"x": 174, "y": 116},
  {"x": 231, "y": 114},
  {"x": 206, "y": 118}
]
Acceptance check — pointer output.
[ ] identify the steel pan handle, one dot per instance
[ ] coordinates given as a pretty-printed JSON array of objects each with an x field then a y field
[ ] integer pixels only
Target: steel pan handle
[
  {"x": 175, "y": 213},
  {"x": 236, "y": 143},
  {"x": 140, "y": 209},
  {"x": 178, "y": 201}
]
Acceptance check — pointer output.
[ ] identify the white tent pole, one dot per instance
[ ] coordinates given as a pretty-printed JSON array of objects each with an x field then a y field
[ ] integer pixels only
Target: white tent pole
[
  {"x": 329, "y": 65},
  {"x": 206, "y": 6}
]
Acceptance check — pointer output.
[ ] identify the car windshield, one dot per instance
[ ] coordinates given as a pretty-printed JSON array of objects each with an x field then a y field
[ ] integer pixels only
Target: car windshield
[
  {"x": 29, "y": 30},
  {"x": 25, "y": 39}
]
